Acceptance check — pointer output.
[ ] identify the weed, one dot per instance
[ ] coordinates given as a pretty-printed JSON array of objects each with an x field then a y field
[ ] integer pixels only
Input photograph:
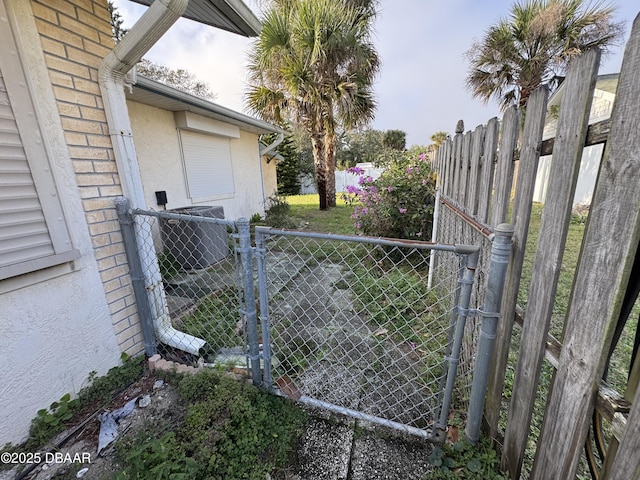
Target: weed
[
  {"x": 278, "y": 213},
  {"x": 465, "y": 461},
  {"x": 233, "y": 430},
  {"x": 215, "y": 319},
  {"x": 117, "y": 378},
  {"x": 168, "y": 265},
  {"x": 51, "y": 421},
  {"x": 256, "y": 218},
  {"x": 149, "y": 458}
]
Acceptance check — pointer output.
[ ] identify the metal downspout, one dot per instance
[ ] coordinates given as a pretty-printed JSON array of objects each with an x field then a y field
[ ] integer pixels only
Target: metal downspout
[
  {"x": 279, "y": 139},
  {"x": 262, "y": 151},
  {"x": 160, "y": 16}
]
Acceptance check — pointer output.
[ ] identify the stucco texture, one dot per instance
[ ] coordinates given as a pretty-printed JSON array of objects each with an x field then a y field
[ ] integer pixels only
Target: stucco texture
[
  {"x": 158, "y": 150},
  {"x": 54, "y": 334}
]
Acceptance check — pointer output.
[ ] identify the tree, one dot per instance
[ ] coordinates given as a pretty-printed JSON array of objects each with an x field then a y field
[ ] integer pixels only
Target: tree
[
  {"x": 116, "y": 22},
  {"x": 395, "y": 139},
  {"x": 533, "y": 46},
  {"x": 180, "y": 79},
  {"x": 313, "y": 66},
  {"x": 438, "y": 138},
  {"x": 360, "y": 146}
]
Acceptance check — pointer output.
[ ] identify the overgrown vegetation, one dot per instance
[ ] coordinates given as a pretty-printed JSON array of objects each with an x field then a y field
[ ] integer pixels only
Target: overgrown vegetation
[
  {"x": 230, "y": 430},
  {"x": 399, "y": 204}
]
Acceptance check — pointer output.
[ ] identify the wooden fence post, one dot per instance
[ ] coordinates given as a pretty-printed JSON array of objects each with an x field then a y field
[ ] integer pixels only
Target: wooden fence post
[
  {"x": 529, "y": 157},
  {"x": 486, "y": 179},
  {"x": 463, "y": 194},
  {"x": 477, "y": 164},
  {"x": 565, "y": 166},
  {"x": 610, "y": 242},
  {"x": 504, "y": 168}
]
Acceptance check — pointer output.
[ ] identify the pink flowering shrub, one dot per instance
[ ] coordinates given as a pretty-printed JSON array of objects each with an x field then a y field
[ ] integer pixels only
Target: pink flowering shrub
[{"x": 399, "y": 204}]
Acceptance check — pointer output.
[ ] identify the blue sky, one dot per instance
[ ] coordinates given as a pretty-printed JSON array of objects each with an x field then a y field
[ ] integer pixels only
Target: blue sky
[{"x": 420, "y": 88}]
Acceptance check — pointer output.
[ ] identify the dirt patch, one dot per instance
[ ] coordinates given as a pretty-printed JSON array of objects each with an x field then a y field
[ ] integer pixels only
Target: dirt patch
[{"x": 80, "y": 442}]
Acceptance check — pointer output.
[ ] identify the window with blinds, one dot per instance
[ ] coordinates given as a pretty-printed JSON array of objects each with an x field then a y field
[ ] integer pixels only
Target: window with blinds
[
  {"x": 207, "y": 163},
  {"x": 33, "y": 231}
]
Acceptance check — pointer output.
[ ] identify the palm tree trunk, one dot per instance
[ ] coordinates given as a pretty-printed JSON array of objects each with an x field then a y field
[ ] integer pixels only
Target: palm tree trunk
[
  {"x": 330, "y": 155},
  {"x": 319, "y": 160}
]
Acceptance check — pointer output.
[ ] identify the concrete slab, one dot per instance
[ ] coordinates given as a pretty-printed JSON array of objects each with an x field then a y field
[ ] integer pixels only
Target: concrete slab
[
  {"x": 338, "y": 448},
  {"x": 325, "y": 451},
  {"x": 375, "y": 456}
]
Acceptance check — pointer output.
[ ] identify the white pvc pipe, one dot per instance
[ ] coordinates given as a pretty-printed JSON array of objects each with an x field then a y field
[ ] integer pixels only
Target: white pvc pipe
[{"x": 160, "y": 16}]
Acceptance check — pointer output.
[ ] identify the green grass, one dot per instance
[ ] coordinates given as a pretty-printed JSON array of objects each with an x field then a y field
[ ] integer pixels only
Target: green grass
[{"x": 305, "y": 210}]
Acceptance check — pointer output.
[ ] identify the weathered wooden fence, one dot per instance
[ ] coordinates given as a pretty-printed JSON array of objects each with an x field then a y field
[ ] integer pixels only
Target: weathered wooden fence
[{"x": 476, "y": 179}]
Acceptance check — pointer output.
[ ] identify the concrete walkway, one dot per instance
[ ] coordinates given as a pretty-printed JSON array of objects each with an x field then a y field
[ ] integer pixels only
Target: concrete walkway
[{"x": 333, "y": 448}]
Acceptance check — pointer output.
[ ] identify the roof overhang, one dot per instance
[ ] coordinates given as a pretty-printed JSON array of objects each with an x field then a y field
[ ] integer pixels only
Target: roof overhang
[
  {"x": 231, "y": 15},
  {"x": 606, "y": 84},
  {"x": 159, "y": 95}
]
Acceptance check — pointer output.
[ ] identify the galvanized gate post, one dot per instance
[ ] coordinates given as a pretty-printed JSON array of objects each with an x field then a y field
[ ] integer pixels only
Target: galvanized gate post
[
  {"x": 500, "y": 252},
  {"x": 246, "y": 254},
  {"x": 265, "y": 321},
  {"x": 127, "y": 226},
  {"x": 453, "y": 359}
]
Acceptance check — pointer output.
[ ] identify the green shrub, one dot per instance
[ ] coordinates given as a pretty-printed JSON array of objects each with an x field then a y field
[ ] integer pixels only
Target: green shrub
[
  {"x": 278, "y": 213},
  {"x": 399, "y": 204}
]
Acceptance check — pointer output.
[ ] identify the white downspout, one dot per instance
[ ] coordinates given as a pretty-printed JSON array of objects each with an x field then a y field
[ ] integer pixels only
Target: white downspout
[
  {"x": 272, "y": 145},
  {"x": 160, "y": 16},
  {"x": 279, "y": 139}
]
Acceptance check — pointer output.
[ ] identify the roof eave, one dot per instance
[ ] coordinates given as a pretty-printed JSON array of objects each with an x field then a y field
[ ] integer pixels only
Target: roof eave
[
  {"x": 156, "y": 94},
  {"x": 230, "y": 15}
]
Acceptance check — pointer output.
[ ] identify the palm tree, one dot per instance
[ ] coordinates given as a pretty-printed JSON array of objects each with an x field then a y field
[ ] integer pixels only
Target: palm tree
[
  {"x": 533, "y": 46},
  {"x": 313, "y": 66},
  {"x": 395, "y": 139},
  {"x": 438, "y": 138}
]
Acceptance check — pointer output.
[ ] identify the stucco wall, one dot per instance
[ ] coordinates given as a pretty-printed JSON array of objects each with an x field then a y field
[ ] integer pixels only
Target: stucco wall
[
  {"x": 158, "y": 150},
  {"x": 56, "y": 322}
]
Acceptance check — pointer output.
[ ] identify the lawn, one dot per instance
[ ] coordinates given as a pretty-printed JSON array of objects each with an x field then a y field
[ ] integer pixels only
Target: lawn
[{"x": 306, "y": 212}]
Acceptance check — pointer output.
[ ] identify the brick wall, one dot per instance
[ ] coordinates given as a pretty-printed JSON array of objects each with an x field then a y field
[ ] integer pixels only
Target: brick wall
[{"x": 75, "y": 36}]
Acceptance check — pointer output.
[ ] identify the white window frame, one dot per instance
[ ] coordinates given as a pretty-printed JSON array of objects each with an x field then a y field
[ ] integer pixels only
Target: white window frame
[
  {"x": 37, "y": 156},
  {"x": 207, "y": 165}
]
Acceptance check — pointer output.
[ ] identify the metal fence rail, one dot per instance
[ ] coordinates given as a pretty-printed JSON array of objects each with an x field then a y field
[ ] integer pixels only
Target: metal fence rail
[{"x": 354, "y": 328}]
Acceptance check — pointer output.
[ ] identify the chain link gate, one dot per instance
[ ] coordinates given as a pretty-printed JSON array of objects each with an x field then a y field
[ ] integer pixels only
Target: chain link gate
[
  {"x": 366, "y": 327},
  {"x": 353, "y": 327}
]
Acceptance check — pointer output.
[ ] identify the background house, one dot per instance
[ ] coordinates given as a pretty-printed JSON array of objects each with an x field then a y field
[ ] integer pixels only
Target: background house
[
  {"x": 67, "y": 307},
  {"x": 198, "y": 152},
  {"x": 601, "y": 107}
]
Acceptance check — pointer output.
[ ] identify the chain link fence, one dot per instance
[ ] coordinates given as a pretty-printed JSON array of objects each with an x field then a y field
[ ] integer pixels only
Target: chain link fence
[
  {"x": 454, "y": 226},
  {"x": 195, "y": 285},
  {"x": 372, "y": 328},
  {"x": 355, "y": 327}
]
